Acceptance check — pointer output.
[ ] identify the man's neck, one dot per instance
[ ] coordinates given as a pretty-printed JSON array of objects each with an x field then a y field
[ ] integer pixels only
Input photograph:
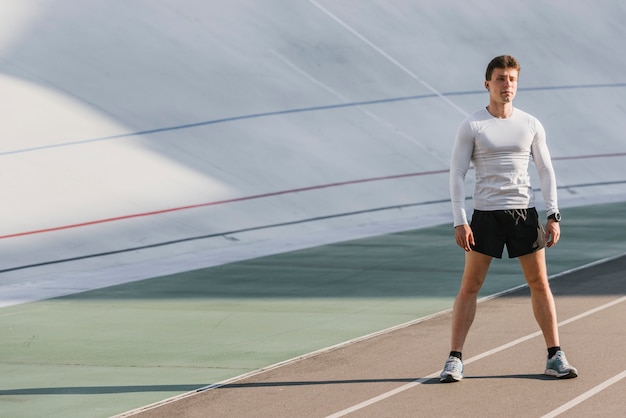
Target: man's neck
[{"x": 500, "y": 110}]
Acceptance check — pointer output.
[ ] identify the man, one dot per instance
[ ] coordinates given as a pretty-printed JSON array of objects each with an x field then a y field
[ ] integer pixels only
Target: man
[{"x": 500, "y": 140}]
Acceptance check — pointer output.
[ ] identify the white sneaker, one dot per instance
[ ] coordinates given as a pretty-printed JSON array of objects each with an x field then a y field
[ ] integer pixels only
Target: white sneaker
[
  {"x": 452, "y": 370},
  {"x": 558, "y": 366}
]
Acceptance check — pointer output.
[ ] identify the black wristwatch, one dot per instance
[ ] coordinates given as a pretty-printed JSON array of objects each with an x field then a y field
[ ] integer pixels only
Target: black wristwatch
[{"x": 556, "y": 216}]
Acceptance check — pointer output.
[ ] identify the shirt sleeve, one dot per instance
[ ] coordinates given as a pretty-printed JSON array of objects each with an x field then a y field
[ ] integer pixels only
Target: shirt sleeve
[
  {"x": 459, "y": 165},
  {"x": 543, "y": 163}
]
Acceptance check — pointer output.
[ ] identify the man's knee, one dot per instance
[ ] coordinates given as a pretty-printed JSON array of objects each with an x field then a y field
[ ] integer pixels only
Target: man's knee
[
  {"x": 538, "y": 284},
  {"x": 470, "y": 286}
]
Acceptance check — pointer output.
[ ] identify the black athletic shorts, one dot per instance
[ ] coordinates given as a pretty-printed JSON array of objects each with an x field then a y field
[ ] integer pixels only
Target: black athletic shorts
[{"x": 518, "y": 229}]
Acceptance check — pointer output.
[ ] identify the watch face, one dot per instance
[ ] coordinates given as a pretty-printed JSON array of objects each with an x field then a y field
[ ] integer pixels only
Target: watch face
[{"x": 557, "y": 217}]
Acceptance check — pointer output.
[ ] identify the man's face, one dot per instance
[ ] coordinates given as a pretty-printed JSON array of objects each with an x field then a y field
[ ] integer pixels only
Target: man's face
[{"x": 503, "y": 85}]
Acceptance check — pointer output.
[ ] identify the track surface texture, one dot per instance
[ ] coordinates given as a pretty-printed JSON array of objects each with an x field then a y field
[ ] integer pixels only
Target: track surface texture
[{"x": 507, "y": 380}]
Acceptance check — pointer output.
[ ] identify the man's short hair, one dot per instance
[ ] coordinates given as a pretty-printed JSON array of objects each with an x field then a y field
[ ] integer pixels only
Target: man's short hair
[{"x": 503, "y": 61}]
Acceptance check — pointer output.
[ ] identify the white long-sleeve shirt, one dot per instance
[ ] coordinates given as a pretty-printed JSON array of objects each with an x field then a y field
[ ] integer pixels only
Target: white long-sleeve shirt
[{"x": 500, "y": 150}]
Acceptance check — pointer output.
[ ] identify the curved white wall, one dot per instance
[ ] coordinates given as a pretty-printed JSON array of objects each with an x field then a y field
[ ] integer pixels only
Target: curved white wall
[{"x": 118, "y": 115}]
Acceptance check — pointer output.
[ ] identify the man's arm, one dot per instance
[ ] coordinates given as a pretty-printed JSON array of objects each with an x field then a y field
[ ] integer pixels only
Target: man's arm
[
  {"x": 553, "y": 232},
  {"x": 547, "y": 177},
  {"x": 543, "y": 163},
  {"x": 464, "y": 237},
  {"x": 459, "y": 165}
]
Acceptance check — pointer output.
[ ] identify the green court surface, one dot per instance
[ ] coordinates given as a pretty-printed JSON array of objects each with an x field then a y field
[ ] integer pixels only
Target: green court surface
[{"x": 103, "y": 352}]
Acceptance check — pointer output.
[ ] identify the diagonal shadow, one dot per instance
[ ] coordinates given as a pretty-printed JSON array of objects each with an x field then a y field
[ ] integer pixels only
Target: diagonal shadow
[
  {"x": 314, "y": 383},
  {"x": 502, "y": 376},
  {"x": 100, "y": 390},
  {"x": 514, "y": 376},
  {"x": 423, "y": 381}
]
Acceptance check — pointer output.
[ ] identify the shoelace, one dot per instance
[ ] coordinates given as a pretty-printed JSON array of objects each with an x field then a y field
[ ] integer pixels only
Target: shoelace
[
  {"x": 564, "y": 363},
  {"x": 561, "y": 362},
  {"x": 453, "y": 366}
]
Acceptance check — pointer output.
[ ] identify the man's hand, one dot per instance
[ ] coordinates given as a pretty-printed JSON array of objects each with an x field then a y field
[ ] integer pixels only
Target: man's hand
[
  {"x": 553, "y": 232},
  {"x": 464, "y": 237}
]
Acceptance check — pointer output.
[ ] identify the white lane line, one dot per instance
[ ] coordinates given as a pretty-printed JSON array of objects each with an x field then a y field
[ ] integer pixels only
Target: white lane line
[
  {"x": 355, "y": 341},
  {"x": 586, "y": 395},
  {"x": 417, "y": 382},
  {"x": 387, "y": 56}
]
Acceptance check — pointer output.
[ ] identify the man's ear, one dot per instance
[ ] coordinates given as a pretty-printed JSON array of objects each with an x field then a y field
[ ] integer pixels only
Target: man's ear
[{"x": 487, "y": 84}]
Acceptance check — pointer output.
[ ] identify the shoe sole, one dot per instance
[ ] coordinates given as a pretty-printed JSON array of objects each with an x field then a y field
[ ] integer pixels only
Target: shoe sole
[
  {"x": 450, "y": 379},
  {"x": 569, "y": 375}
]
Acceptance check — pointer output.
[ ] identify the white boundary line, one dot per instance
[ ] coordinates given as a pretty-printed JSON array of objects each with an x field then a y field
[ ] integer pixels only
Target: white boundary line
[
  {"x": 586, "y": 395},
  {"x": 392, "y": 127},
  {"x": 411, "y": 385},
  {"x": 375, "y": 334},
  {"x": 278, "y": 365},
  {"x": 387, "y": 56}
]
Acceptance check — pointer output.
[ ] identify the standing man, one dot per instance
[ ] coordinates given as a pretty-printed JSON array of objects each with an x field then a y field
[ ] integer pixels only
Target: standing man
[{"x": 500, "y": 140}]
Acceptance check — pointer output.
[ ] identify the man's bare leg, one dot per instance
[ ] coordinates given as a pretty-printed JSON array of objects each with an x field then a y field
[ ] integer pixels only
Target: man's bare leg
[
  {"x": 476, "y": 267},
  {"x": 534, "y": 267},
  {"x": 544, "y": 308}
]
